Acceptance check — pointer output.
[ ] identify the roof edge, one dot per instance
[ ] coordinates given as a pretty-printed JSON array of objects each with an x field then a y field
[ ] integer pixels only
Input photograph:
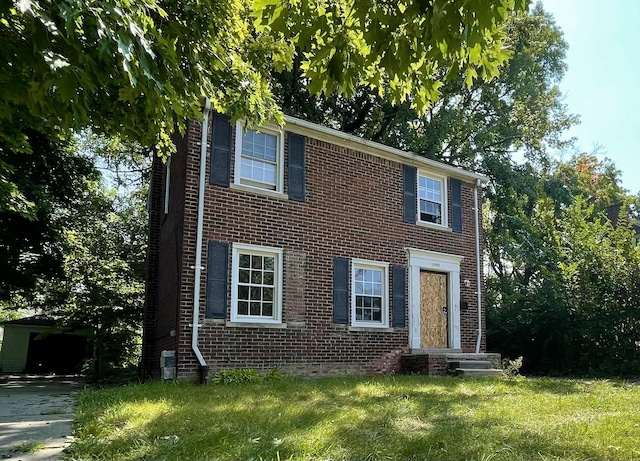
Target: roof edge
[{"x": 354, "y": 142}]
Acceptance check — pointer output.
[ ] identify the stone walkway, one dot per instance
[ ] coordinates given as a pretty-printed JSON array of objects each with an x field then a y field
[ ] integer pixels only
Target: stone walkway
[{"x": 36, "y": 410}]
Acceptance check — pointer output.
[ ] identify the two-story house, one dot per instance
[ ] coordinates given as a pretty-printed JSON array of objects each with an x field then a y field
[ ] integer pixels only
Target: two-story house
[{"x": 309, "y": 250}]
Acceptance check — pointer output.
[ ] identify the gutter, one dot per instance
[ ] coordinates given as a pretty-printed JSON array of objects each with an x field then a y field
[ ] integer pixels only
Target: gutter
[
  {"x": 478, "y": 267},
  {"x": 203, "y": 369}
]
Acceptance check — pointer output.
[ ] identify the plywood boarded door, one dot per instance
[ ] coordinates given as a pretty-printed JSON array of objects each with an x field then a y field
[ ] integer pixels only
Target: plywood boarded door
[{"x": 433, "y": 310}]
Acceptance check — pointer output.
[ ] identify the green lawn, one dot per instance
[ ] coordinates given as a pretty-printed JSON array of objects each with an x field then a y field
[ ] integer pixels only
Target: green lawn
[{"x": 381, "y": 418}]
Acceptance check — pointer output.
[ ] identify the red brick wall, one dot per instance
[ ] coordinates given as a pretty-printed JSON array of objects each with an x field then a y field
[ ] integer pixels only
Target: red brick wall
[
  {"x": 353, "y": 209},
  {"x": 164, "y": 266}
]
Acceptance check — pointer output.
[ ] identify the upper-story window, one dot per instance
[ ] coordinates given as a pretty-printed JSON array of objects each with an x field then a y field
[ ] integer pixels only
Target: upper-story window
[
  {"x": 259, "y": 158},
  {"x": 432, "y": 204}
]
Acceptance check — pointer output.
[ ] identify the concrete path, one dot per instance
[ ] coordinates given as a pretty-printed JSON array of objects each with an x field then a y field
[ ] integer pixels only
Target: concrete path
[{"x": 36, "y": 410}]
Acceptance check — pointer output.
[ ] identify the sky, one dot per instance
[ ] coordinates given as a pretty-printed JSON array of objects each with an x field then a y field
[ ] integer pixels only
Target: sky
[{"x": 602, "y": 83}]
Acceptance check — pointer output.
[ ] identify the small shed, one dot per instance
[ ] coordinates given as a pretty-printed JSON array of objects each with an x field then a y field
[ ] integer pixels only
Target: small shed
[{"x": 41, "y": 345}]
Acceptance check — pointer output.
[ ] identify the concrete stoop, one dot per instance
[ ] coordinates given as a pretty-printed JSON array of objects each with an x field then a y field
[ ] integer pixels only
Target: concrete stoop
[
  {"x": 473, "y": 368},
  {"x": 452, "y": 362}
]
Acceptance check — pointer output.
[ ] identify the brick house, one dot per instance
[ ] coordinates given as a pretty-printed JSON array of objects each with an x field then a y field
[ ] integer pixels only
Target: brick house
[{"x": 309, "y": 250}]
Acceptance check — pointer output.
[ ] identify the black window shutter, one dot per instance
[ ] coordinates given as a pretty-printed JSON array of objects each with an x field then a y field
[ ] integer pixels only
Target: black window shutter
[
  {"x": 220, "y": 150},
  {"x": 296, "y": 171},
  {"x": 456, "y": 205},
  {"x": 217, "y": 270},
  {"x": 340, "y": 290},
  {"x": 409, "y": 194},
  {"x": 399, "y": 306}
]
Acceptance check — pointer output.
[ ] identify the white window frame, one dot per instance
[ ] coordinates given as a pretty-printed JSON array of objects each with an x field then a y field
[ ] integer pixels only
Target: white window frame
[
  {"x": 443, "y": 193},
  {"x": 376, "y": 265},
  {"x": 240, "y": 248},
  {"x": 279, "y": 174}
]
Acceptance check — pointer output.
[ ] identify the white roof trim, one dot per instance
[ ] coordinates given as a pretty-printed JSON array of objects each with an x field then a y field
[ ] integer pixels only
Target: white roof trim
[{"x": 350, "y": 141}]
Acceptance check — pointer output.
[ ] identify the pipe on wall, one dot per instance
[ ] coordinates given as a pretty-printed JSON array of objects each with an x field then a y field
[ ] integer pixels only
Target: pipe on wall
[
  {"x": 203, "y": 369},
  {"x": 477, "y": 212}
]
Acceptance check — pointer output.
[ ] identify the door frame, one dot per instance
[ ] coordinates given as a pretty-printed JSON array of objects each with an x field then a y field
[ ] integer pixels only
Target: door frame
[{"x": 434, "y": 261}]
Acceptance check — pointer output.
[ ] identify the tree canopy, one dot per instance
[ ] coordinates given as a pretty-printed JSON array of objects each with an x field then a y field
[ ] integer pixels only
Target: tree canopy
[
  {"x": 52, "y": 184},
  {"x": 136, "y": 69},
  {"x": 521, "y": 110}
]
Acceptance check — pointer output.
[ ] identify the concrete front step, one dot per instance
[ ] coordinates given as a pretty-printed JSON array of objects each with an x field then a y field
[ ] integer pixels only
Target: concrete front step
[
  {"x": 466, "y": 364},
  {"x": 477, "y": 372}
]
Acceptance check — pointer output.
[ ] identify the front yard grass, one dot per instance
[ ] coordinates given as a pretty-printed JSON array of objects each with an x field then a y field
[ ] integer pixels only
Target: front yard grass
[{"x": 380, "y": 418}]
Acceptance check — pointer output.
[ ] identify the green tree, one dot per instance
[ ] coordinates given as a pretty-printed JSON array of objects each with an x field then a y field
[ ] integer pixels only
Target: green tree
[
  {"x": 602, "y": 269},
  {"x": 101, "y": 285},
  {"x": 50, "y": 179},
  {"x": 562, "y": 286},
  {"x": 521, "y": 110},
  {"x": 140, "y": 69},
  {"x": 100, "y": 242}
]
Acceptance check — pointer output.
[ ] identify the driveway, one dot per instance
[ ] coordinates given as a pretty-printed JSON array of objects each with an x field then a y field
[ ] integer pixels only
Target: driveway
[{"x": 36, "y": 411}]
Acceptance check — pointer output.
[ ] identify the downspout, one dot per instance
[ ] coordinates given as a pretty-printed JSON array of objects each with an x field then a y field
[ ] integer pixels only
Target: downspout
[
  {"x": 478, "y": 266},
  {"x": 198, "y": 265}
]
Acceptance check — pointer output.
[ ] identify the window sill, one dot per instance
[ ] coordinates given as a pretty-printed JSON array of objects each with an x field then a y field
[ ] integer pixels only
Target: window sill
[
  {"x": 213, "y": 321},
  {"x": 258, "y": 191},
  {"x": 255, "y": 325},
  {"x": 373, "y": 329},
  {"x": 433, "y": 226}
]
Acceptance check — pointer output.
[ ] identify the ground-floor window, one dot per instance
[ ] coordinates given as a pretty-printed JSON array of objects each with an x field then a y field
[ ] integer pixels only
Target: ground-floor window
[
  {"x": 369, "y": 293},
  {"x": 256, "y": 284}
]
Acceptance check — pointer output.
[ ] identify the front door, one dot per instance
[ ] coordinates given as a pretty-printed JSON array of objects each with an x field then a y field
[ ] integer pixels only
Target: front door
[{"x": 434, "y": 309}]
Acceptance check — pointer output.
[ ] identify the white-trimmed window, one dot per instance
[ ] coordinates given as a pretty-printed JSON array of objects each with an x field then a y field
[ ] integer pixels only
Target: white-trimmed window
[
  {"x": 432, "y": 199},
  {"x": 256, "y": 283},
  {"x": 369, "y": 293},
  {"x": 259, "y": 158}
]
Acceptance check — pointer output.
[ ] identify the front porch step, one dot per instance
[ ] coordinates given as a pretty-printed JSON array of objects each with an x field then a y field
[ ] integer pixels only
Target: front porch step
[
  {"x": 470, "y": 364},
  {"x": 477, "y": 372},
  {"x": 449, "y": 361}
]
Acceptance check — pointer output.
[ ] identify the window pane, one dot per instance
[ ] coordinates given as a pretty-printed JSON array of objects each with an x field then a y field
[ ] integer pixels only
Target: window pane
[
  {"x": 377, "y": 316},
  {"x": 269, "y": 263},
  {"x": 269, "y": 174},
  {"x": 359, "y": 288},
  {"x": 267, "y": 294},
  {"x": 255, "y": 308},
  {"x": 256, "y": 262},
  {"x": 244, "y": 260},
  {"x": 256, "y": 277},
  {"x": 256, "y": 294},
  {"x": 262, "y": 146},
  {"x": 243, "y": 292},
  {"x": 377, "y": 289},
  {"x": 246, "y": 168},
  {"x": 368, "y": 275},
  {"x": 358, "y": 313},
  {"x": 243, "y": 276},
  {"x": 268, "y": 278},
  {"x": 243, "y": 308},
  {"x": 368, "y": 289},
  {"x": 267, "y": 309}
]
